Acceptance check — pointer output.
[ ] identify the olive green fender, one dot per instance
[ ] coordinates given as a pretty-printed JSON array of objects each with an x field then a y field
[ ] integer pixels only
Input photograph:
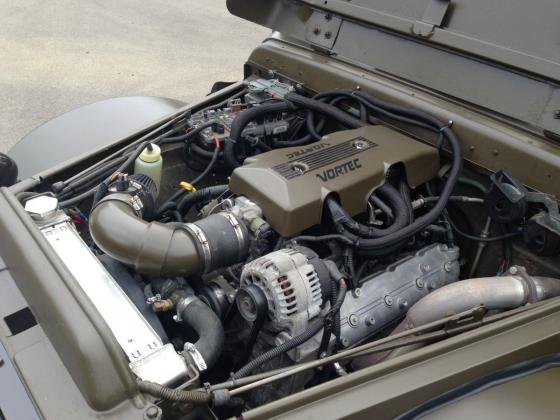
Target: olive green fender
[{"x": 86, "y": 129}]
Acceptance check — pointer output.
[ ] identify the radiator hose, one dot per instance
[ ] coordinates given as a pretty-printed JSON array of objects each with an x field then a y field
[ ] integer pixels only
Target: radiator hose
[{"x": 204, "y": 322}]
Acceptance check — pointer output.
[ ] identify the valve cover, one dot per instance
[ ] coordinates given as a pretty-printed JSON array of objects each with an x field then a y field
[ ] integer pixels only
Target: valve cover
[{"x": 290, "y": 184}]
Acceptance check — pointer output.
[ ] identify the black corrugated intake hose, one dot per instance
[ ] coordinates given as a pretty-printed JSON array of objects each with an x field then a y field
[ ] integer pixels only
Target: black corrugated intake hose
[
  {"x": 241, "y": 121},
  {"x": 170, "y": 394},
  {"x": 392, "y": 197},
  {"x": 298, "y": 340}
]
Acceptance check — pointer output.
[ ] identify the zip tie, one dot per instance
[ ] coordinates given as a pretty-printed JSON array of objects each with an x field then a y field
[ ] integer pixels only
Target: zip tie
[
  {"x": 233, "y": 379},
  {"x": 439, "y": 143},
  {"x": 448, "y": 125},
  {"x": 186, "y": 186}
]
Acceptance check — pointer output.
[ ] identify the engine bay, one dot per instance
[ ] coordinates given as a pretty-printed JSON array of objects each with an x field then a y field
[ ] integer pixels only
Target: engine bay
[{"x": 270, "y": 242}]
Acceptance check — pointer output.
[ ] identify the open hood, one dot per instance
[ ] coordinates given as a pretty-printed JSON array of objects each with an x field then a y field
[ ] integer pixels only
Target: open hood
[{"x": 504, "y": 56}]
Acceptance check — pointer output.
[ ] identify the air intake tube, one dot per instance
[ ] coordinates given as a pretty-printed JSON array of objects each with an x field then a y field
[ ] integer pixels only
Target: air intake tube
[{"x": 117, "y": 227}]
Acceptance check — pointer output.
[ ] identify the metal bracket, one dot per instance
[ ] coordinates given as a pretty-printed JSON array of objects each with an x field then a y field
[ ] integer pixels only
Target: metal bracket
[
  {"x": 433, "y": 17},
  {"x": 548, "y": 201},
  {"x": 322, "y": 30},
  {"x": 470, "y": 316}
]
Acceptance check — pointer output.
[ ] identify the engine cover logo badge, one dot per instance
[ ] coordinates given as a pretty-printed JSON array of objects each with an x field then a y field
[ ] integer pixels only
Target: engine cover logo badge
[{"x": 323, "y": 155}]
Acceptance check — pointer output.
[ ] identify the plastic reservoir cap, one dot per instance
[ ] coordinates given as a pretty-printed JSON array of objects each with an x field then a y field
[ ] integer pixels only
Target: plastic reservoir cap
[{"x": 150, "y": 156}]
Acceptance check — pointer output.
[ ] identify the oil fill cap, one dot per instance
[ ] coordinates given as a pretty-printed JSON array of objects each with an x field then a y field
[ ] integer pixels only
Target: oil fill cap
[{"x": 152, "y": 153}]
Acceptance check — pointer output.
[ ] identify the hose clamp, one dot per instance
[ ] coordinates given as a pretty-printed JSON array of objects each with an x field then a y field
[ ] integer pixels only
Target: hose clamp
[
  {"x": 195, "y": 356},
  {"x": 531, "y": 288},
  {"x": 237, "y": 229},
  {"x": 181, "y": 306},
  {"x": 203, "y": 241}
]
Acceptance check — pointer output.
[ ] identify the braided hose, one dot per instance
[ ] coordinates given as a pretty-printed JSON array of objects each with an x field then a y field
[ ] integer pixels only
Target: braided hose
[{"x": 178, "y": 395}]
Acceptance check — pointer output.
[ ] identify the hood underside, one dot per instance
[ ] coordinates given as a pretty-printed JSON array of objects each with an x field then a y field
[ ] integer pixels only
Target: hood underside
[{"x": 503, "y": 57}]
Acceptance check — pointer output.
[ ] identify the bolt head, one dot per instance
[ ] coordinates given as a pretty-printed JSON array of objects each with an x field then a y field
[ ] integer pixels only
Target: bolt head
[
  {"x": 388, "y": 300},
  {"x": 345, "y": 342},
  {"x": 420, "y": 283},
  {"x": 357, "y": 292},
  {"x": 447, "y": 266},
  {"x": 513, "y": 270},
  {"x": 425, "y": 268},
  {"x": 152, "y": 412},
  {"x": 360, "y": 144},
  {"x": 353, "y": 320}
]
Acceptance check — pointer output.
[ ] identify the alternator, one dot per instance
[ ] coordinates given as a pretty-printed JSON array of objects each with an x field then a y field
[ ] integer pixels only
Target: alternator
[{"x": 292, "y": 287}]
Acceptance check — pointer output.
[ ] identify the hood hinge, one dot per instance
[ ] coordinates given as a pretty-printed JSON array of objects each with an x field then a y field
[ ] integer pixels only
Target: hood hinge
[
  {"x": 322, "y": 30},
  {"x": 433, "y": 17}
]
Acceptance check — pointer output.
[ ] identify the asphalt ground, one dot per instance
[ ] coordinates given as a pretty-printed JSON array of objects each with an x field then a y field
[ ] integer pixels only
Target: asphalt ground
[{"x": 57, "y": 55}]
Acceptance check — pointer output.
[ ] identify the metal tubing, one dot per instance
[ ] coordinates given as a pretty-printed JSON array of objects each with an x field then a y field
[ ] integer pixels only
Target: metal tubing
[{"x": 494, "y": 293}]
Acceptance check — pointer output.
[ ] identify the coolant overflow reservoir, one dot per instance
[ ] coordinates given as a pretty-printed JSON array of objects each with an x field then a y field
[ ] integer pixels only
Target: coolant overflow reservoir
[{"x": 150, "y": 163}]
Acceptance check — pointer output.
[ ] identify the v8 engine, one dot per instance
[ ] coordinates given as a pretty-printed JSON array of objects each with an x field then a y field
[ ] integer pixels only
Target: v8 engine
[{"x": 273, "y": 235}]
